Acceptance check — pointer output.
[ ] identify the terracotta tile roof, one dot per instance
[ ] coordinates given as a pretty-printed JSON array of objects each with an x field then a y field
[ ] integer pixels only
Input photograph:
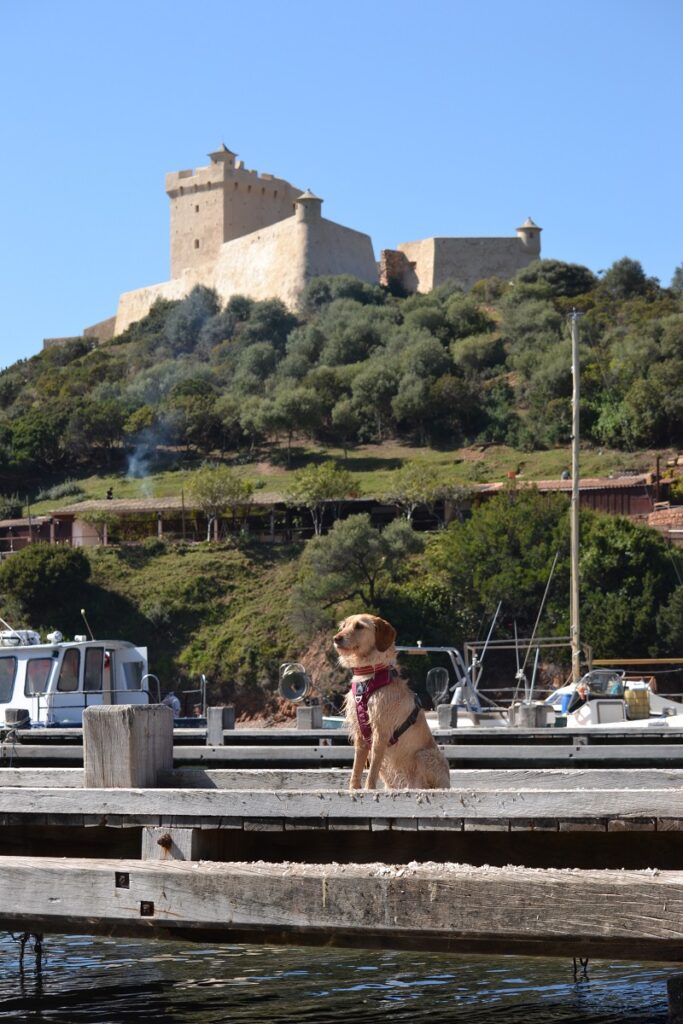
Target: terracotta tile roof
[
  {"x": 168, "y": 504},
  {"x": 33, "y": 521},
  {"x": 586, "y": 483}
]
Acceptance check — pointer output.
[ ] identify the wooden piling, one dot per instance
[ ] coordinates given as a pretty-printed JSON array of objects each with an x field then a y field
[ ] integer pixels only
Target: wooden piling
[
  {"x": 447, "y": 716},
  {"x": 217, "y": 721},
  {"x": 126, "y": 746},
  {"x": 674, "y": 991},
  {"x": 309, "y": 717}
]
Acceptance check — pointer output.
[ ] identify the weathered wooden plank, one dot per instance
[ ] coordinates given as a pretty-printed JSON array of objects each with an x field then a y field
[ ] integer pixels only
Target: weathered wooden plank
[
  {"x": 185, "y": 807},
  {"x": 646, "y": 754},
  {"x": 479, "y": 753},
  {"x": 41, "y": 777},
  {"x": 464, "y": 778},
  {"x": 338, "y": 778},
  {"x": 126, "y": 745},
  {"x": 673, "y": 733},
  {"x": 624, "y": 914}
]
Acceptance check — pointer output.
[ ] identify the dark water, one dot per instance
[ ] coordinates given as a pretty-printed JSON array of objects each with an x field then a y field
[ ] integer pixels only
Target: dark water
[{"x": 107, "y": 981}]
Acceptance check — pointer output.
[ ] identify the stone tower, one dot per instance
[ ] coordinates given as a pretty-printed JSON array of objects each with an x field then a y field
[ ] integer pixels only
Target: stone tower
[
  {"x": 215, "y": 204},
  {"x": 530, "y": 235}
]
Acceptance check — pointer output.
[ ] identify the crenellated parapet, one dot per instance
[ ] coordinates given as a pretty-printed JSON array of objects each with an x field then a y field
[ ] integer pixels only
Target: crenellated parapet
[{"x": 220, "y": 202}]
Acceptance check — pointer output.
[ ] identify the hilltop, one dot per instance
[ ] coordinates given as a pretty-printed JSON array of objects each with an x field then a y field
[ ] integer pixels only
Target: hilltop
[{"x": 477, "y": 384}]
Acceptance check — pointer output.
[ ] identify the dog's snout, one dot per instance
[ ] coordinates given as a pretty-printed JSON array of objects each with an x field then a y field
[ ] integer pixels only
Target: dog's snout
[{"x": 337, "y": 638}]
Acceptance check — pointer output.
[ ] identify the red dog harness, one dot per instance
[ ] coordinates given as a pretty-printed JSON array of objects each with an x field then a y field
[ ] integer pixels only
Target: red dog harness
[{"x": 365, "y": 681}]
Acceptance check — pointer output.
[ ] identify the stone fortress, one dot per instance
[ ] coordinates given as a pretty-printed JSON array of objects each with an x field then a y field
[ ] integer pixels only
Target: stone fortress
[{"x": 245, "y": 233}]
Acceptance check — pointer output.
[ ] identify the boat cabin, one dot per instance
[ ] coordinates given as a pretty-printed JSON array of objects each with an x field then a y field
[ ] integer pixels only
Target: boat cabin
[{"x": 49, "y": 684}]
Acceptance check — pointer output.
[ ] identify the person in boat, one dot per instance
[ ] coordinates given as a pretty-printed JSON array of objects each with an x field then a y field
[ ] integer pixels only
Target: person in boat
[{"x": 172, "y": 702}]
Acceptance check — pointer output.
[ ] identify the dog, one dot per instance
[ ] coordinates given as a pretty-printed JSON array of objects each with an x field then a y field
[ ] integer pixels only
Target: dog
[{"x": 384, "y": 717}]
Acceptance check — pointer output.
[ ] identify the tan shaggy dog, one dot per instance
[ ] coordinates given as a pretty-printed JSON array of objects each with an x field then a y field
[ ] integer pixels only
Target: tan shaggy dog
[{"x": 365, "y": 644}]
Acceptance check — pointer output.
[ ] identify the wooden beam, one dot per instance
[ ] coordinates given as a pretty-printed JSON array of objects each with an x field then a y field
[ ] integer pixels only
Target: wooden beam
[
  {"x": 188, "y": 807},
  {"x": 461, "y": 778},
  {"x": 450, "y": 907},
  {"x": 460, "y": 755},
  {"x": 338, "y": 778},
  {"x": 41, "y": 777}
]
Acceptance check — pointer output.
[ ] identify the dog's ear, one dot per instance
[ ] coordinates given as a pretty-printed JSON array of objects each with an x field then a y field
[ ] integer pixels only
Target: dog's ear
[{"x": 385, "y": 634}]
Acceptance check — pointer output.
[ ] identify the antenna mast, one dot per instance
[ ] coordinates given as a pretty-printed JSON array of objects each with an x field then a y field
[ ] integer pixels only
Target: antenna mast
[{"x": 575, "y": 628}]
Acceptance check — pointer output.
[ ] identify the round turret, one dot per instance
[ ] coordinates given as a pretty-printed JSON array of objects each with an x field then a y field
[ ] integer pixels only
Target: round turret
[
  {"x": 530, "y": 235},
  {"x": 308, "y": 206},
  {"x": 223, "y": 155}
]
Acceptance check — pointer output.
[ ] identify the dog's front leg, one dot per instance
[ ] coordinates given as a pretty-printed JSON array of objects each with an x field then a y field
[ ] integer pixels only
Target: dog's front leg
[
  {"x": 379, "y": 749},
  {"x": 360, "y": 758}
]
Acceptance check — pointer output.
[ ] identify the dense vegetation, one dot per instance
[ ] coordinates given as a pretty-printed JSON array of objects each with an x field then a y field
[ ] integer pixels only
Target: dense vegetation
[
  {"x": 236, "y": 610},
  {"x": 194, "y": 381},
  {"x": 357, "y": 365}
]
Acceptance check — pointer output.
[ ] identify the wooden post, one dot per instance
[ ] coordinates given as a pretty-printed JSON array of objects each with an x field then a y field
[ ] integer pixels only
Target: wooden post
[
  {"x": 674, "y": 991},
  {"x": 217, "y": 720},
  {"x": 447, "y": 715},
  {"x": 126, "y": 745},
  {"x": 309, "y": 717},
  {"x": 170, "y": 843}
]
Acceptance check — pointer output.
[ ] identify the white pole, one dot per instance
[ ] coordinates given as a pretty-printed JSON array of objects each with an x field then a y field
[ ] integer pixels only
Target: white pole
[{"x": 575, "y": 629}]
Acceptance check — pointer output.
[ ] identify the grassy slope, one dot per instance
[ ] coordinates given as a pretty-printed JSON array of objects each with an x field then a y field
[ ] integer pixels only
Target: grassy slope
[
  {"x": 373, "y": 464},
  {"x": 212, "y": 609}
]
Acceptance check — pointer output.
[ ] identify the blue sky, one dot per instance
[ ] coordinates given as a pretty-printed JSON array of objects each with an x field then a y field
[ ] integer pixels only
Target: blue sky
[{"x": 409, "y": 119}]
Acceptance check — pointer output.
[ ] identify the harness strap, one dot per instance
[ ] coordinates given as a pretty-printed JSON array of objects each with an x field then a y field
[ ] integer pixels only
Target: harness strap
[
  {"x": 363, "y": 689},
  {"x": 410, "y": 720}
]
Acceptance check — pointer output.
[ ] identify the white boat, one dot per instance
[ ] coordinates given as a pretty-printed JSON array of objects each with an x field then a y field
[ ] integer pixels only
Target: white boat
[
  {"x": 50, "y": 684},
  {"x": 608, "y": 697}
]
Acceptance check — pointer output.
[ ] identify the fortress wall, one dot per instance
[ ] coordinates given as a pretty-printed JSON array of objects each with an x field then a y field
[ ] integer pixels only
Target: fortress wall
[
  {"x": 468, "y": 260},
  {"x": 421, "y": 256},
  {"x": 266, "y": 264},
  {"x": 335, "y": 249},
  {"x": 273, "y": 263},
  {"x": 135, "y": 305}
]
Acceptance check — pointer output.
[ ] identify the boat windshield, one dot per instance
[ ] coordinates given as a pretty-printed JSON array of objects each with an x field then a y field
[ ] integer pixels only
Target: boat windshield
[
  {"x": 37, "y": 675},
  {"x": 8, "y": 671},
  {"x": 605, "y": 682}
]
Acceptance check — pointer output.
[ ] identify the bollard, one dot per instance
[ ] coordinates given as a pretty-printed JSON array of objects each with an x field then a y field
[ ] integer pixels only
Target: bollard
[
  {"x": 217, "y": 720},
  {"x": 126, "y": 745},
  {"x": 447, "y": 715},
  {"x": 309, "y": 717}
]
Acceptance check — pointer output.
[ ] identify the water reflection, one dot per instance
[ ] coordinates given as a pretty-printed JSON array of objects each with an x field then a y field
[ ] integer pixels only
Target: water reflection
[{"x": 106, "y": 981}]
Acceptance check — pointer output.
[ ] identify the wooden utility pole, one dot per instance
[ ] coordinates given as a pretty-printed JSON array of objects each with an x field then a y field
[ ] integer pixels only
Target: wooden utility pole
[{"x": 575, "y": 628}]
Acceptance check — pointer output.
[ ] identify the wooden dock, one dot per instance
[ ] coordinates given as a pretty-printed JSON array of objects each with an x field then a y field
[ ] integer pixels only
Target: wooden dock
[
  {"x": 481, "y": 747},
  {"x": 567, "y": 861}
]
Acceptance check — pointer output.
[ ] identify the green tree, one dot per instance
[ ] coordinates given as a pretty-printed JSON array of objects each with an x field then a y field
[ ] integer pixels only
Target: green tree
[
  {"x": 217, "y": 489},
  {"x": 626, "y": 279},
  {"x": 411, "y": 486},
  {"x": 627, "y": 576},
  {"x": 505, "y": 553},
  {"x": 11, "y": 506},
  {"x": 318, "y": 486},
  {"x": 560, "y": 279},
  {"x": 677, "y": 280},
  {"x": 353, "y": 562},
  {"x": 670, "y": 625},
  {"x": 46, "y": 583},
  {"x": 345, "y": 423}
]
